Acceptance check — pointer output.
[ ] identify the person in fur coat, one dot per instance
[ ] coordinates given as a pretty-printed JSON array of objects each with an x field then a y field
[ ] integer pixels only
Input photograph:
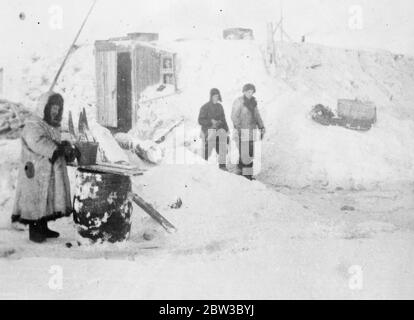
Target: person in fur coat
[{"x": 43, "y": 190}]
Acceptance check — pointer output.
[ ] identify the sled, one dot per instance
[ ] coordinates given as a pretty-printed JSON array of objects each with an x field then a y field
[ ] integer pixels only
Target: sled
[
  {"x": 356, "y": 114},
  {"x": 352, "y": 114}
]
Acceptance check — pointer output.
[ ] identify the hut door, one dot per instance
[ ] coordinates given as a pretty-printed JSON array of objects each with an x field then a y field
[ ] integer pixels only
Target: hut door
[
  {"x": 106, "y": 66},
  {"x": 124, "y": 97}
]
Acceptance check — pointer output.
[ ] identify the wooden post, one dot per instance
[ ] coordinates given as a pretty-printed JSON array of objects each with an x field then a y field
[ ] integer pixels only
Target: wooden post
[
  {"x": 270, "y": 43},
  {"x": 281, "y": 21}
]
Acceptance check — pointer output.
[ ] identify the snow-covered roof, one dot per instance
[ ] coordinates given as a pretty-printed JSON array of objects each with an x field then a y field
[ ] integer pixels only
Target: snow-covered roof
[{"x": 131, "y": 43}]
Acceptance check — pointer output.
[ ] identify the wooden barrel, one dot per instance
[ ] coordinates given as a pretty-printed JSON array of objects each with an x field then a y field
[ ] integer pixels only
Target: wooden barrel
[{"x": 102, "y": 206}]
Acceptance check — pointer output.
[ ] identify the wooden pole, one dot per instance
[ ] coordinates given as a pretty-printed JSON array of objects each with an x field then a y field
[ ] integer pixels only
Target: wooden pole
[
  {"x": 270, "y": 43},
  {"x": 71, "y": 47},
  {"x": 281, "y": 21},
  {"x": 149, "y": 209},
  {"x": 276, "y": 28}
]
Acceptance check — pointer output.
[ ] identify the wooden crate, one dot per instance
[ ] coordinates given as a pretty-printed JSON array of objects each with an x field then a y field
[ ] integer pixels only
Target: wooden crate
[{"x": 357, "y": 110}]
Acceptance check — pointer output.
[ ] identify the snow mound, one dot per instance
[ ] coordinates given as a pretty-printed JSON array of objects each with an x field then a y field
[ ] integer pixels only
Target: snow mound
[
  {"x": 297, "y": 151},
  {"x": 219, "y": 211},
  {"x": 219, "y": 208},
  {"x": 8, "y": 172},
  {"x": 76, "y": 82},
  {"x": 300, "y": 152}
]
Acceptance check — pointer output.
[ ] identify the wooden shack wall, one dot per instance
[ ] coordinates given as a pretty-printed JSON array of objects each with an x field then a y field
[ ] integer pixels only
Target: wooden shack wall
[
  {"x": 146, "y": 64},
  {"x": 146, "y": 71},
  {"x": 106, "y": 87}
]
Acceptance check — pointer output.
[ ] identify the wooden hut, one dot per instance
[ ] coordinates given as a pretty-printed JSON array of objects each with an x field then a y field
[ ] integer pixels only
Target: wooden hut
[{"x": 125, "y": 67}]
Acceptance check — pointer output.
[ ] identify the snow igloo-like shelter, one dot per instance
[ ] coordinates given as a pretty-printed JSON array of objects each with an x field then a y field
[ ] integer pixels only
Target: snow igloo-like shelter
[{"x": 125, "y": 67}]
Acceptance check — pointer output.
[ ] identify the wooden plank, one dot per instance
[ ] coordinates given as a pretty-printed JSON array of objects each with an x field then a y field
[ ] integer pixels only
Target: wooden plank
[
  {"x": 120, "y": 166},
  {"x": 149, "y": 209},
  {"x": 106, "y": 78},
  {"x": 113, "y": 167},
  {"x": 148, "y": 65},
  {"x": 112, "y": 170},
  {"x": 99, "y": 66},
  {"x": 111, "y": 89},
  {"x": 135, "y": 93}
]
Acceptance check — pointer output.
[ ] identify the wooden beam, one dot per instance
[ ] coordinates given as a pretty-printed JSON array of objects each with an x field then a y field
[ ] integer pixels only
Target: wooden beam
[
  {"x": 277, "y": 27},
  {"x": 149, "y": 209}
]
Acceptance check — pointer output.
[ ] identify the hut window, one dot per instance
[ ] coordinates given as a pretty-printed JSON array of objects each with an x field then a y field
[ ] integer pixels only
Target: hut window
[
  {"x": 167, "y": 63},
  {"x": 168, "y": 74}
]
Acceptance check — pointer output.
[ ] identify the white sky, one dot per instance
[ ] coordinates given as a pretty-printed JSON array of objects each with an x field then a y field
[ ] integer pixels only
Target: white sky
[{"x": 388, "y": 24}]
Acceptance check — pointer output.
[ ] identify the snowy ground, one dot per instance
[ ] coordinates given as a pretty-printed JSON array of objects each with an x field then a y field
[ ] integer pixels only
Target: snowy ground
[
  {"x": 236, "y": 240},
  {"x": 331, "y": 215}
]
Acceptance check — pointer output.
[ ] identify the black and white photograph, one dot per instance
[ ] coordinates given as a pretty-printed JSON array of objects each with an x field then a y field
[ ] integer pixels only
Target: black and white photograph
[{"x": 226, "y": 150}]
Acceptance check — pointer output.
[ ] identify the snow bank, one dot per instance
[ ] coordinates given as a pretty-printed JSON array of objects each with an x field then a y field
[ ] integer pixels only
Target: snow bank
[
  {"x": 219, "y": 210},
  {"x": 8, "y": 173},
  {"x": 76, "y": 83},
  {"x": 300, "y": 152},
  {"x": 297, "y": 151}
]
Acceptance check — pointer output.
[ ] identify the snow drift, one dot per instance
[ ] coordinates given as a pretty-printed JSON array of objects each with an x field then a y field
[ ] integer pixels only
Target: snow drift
[{"x": 297, "y": 151}]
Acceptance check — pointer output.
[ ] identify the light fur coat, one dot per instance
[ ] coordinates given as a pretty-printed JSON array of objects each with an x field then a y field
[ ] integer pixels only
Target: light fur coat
[{"x": 43, "y": 189}]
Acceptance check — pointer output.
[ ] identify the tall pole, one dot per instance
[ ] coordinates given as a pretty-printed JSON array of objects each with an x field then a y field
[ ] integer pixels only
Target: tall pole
[
  {"x": 270, "y": 43},
  {"x": 281, "y": 21},
  {"x": 71, "y": 47}
]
